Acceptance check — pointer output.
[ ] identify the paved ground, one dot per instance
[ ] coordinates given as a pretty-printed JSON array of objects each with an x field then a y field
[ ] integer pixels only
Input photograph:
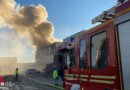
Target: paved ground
[{"x": 29, "y": 82}]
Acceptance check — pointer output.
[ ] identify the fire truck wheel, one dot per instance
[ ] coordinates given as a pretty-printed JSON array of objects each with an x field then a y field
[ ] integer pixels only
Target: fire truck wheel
[{"x": 75, "y": 87}]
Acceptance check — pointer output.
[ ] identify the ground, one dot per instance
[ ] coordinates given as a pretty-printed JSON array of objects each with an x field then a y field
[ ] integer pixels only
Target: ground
[{"x": 30, "y": 82}]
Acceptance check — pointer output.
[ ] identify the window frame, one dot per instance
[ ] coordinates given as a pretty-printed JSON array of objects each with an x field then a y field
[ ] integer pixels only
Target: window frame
[{"x": 91, "y": 50}]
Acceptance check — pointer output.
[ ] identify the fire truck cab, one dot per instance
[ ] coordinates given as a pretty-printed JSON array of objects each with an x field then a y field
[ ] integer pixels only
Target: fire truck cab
[{"x": 100, "y": 58}]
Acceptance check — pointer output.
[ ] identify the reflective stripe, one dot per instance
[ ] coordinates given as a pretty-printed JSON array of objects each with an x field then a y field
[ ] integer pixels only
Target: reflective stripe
[
  {"x": 83, "y": 75},
  {"x": 81, "y": 79},
  {"x": 104, "y": 77},
  {"x": 69, "y": 83},
  {"x": 69, "y": 74},
  {"x": 72, "y": 75},
  {"x": 101, "y": 81},
  {"x": 122, "y": 12},
  {"x": 76, "y": 75},
  {"x": 71, "y": 78}
]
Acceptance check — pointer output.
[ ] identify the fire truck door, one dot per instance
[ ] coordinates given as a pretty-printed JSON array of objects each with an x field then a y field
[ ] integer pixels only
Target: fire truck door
[
  {"x": 102, "y": 68},
  {"x": 83, "y": 77}
]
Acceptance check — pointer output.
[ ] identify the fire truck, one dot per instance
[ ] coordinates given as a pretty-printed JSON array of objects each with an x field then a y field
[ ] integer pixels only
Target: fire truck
[{"x": 99, "y": 59}]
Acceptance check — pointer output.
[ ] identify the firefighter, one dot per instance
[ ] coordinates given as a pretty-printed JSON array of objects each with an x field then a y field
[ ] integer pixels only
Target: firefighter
[
  {"x": 61, "y": 72},
  {"x": 16, "y": 74},
  {"x": 55, "y": 76}
]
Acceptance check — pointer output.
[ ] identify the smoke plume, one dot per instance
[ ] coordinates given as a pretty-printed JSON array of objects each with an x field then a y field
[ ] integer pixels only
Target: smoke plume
[{"x": 28, "y": 21}]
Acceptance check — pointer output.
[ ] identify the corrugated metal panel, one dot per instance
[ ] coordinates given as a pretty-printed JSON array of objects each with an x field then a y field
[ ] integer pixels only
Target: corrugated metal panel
[{"x": 124, "y": 41}]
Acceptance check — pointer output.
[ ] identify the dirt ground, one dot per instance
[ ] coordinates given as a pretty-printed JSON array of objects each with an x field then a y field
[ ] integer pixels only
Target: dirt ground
[{"x": 29, "y": 82}]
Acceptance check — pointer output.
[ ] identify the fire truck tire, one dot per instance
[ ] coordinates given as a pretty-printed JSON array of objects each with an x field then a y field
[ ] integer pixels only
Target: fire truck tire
[{"x": 75, "y": 87}]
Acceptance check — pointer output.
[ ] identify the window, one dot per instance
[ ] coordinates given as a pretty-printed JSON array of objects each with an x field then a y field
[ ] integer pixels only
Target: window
[
  {"x": 71, "y": 57},
  {"x": 99, "y": 51},
  {"x": 82, "y": 59},
  {"x": 61, "y": 57}
]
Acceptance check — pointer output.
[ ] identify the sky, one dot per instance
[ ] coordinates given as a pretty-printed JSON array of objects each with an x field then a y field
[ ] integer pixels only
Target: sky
[
  {"x": 71, "y": 16},
  {"x": 67, "y": 16}
]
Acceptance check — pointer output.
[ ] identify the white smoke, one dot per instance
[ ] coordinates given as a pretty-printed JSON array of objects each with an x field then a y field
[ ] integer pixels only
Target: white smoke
[{"x": 28, "y": 21}]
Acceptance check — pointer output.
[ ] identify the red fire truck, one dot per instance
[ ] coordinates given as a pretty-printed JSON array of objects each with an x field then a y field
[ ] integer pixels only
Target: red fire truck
[{"x": 100, "y": 58}]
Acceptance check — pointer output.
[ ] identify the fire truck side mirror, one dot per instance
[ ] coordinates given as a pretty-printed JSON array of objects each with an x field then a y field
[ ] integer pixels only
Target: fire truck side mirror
[{"x": 69, "y": 44}]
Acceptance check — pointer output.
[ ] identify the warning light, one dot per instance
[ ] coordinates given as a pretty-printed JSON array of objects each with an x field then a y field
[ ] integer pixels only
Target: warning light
[{"x": 1, "y": 79}]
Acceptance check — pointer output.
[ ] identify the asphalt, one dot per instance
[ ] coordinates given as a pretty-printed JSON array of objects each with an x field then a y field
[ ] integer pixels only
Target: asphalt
[{"x": 32, "y": 82}]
